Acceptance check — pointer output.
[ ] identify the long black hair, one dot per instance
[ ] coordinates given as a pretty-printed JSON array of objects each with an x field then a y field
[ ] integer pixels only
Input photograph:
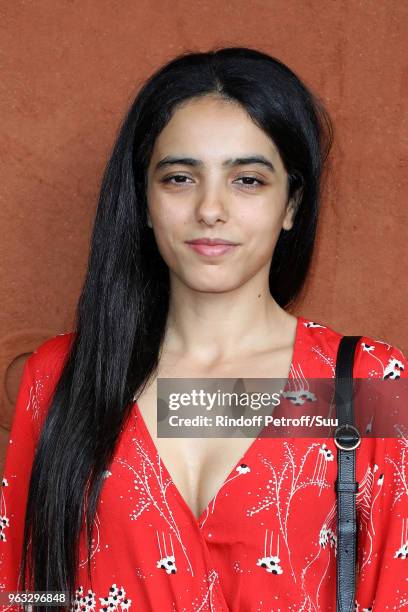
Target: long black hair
[{"x": 122, "y": 310}]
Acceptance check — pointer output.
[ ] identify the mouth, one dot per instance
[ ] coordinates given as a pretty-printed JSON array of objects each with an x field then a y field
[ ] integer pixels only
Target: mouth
[
  {"x": 212, "y": 250},
  {"x": 211, "y": 241}
]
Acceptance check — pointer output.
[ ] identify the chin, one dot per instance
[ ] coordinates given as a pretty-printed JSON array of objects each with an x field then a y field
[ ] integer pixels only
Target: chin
[{"x": 211, "y": 285}]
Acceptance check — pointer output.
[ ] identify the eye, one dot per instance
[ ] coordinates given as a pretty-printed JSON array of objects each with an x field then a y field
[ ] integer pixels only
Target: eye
[
  {"x": 181, "y": 179},
  {"x": 250, "y": 184},
  {"x": 168, "y": 179}
]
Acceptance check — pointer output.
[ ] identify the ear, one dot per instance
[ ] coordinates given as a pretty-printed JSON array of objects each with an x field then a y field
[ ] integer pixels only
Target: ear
[
  {"x": 291, "y": 209},
  {"x": 149, "y": 221}
]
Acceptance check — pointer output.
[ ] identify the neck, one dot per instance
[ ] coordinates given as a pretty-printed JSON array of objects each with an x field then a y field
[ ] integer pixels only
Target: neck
[{"x": 215, "y": 327}]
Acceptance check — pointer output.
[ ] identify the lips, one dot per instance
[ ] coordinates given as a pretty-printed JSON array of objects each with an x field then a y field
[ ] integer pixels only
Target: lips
[
  {"x": 212, "y": 247},
  {"x": 211, "y": 241}
]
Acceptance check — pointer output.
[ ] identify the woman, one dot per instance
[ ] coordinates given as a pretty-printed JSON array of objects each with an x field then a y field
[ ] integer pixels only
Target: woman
[{"x": 227, "y": 145}]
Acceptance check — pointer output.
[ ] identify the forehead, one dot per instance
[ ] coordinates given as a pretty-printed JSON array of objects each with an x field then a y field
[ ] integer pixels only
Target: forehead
[{"x": 212, "y": 128}]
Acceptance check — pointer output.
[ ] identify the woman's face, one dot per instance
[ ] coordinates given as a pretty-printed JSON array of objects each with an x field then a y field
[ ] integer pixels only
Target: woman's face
[{"x": 215, "y": 191}]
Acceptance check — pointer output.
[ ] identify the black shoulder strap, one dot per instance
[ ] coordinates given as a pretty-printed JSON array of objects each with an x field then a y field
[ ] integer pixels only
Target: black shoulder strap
[{"x": 347, "y": 439}]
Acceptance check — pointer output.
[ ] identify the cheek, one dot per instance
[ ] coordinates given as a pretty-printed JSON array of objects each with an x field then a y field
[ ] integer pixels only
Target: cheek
[
  {"x": 262, "y": 224},
  {"x": 171, "y": 225},
  {"x": 170, "y": 229},
  {"x": 168, "y": 213},
  {"x": 261, "y": 233}
]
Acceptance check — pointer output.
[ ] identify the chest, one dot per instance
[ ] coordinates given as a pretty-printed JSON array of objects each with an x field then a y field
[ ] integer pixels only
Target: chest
[{"x": 199, "y": 466}]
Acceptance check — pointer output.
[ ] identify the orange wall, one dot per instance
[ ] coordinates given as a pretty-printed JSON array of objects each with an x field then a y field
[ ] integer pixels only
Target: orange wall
[{"x": 70, "y": 69}]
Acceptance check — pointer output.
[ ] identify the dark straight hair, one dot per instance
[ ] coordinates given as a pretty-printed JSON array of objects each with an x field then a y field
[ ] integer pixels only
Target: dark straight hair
[{"x": 122, "y": 311}]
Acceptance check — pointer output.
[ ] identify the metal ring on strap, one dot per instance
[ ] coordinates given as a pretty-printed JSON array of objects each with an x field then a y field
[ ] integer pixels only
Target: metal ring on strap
[{"x": 354, "y": 439}]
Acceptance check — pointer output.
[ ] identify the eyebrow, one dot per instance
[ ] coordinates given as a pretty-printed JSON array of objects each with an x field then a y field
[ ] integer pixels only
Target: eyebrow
[{"x": 228, "y": 163}]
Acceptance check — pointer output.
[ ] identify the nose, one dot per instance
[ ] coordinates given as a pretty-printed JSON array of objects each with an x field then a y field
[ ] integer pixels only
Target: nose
[{"x": 212, "y": 205}]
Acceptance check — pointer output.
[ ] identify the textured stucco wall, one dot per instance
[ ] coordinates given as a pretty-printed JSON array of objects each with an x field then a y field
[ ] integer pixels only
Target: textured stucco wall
[{"x": 70, "y": 69}]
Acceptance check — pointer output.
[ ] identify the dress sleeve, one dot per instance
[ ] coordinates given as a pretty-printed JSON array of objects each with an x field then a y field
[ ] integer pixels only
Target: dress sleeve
[
  {"x": 382, "y": 498},
  {"x": 16, "y": 478}
]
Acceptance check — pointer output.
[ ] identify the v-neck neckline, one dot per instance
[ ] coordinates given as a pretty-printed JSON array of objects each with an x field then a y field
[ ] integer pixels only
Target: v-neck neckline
[{"x": 242, "y": 460}]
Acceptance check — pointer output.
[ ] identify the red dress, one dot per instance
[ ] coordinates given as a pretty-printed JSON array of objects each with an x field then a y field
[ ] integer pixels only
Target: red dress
[{"x": 265, "y": 542}]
